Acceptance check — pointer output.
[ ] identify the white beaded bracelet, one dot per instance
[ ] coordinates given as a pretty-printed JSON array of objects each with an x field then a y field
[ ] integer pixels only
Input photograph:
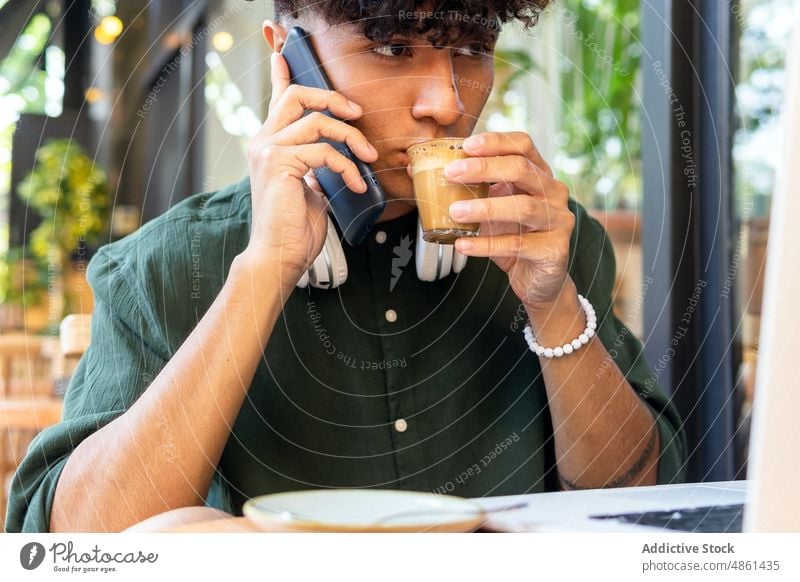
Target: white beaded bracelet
[{"x": 581, "y": 340}]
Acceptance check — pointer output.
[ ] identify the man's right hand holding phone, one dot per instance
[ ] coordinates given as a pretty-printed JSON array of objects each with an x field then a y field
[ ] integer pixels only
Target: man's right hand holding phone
[{"x": 289, "y": 210}]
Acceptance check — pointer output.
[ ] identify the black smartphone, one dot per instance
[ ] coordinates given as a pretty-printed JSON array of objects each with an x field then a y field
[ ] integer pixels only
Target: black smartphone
[{"x": 355, "y": 213}]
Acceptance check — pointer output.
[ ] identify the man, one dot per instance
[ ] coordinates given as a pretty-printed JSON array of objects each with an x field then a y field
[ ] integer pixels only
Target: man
[{"x": 211, "y": 378}]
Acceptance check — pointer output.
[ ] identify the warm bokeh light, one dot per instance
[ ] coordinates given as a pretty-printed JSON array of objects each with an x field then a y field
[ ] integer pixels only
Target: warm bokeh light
[
  {"x": 108, "y": 30},
  {"x": 222, "y": 41},
  {"x": 93, "y": 94},
  {"x": 102, "y": 37},
  {"x": 111, "y": 25}
]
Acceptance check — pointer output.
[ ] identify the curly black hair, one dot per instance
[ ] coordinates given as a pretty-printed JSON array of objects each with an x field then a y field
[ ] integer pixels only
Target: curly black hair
[{"x": 440, "y": 22}]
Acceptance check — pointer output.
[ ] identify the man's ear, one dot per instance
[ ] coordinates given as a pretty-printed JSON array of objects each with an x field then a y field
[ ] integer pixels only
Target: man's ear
[{"x": 274, "y": 34}]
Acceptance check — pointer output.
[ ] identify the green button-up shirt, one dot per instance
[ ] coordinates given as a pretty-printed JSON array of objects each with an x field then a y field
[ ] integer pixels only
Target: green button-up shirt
[{"x": 386, "y": 381}]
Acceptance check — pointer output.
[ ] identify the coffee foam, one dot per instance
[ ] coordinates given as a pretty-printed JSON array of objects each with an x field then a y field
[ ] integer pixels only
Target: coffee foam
[
  {"x": 434, "y": 156},
  {"x": 425, "y": 164}
]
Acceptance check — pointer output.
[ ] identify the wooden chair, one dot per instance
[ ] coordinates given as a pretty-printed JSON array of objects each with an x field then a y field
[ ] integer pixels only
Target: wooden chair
[{"x": 31, "y": 369}]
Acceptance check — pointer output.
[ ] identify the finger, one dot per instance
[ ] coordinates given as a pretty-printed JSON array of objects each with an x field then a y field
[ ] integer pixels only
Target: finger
[
  {"x": 493, "y": 143},
  {"x": 513, "y": 169},
  {"x": 296, "y": 99},
  {"x": 316, "y": 125},
  {"x": 280, "y": 77},
  {"x": 536, "y": 246},
  {"x": 530, "y": 212},
  {"x": 319, "y": 155}
]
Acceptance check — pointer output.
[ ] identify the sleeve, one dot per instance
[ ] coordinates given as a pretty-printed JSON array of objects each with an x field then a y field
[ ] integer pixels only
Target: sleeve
[
  {"x": 124, "y": 356},
  {"x": 593, "y": 270},
  {"x": 113, "y": 372}
]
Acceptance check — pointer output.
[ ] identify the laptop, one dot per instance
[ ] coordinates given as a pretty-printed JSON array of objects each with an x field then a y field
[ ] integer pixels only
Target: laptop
[{"x": 769, "y": 500}]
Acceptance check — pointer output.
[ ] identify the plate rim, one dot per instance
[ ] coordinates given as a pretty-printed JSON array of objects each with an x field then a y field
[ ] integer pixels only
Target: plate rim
[{"x": 469, "y": 523}]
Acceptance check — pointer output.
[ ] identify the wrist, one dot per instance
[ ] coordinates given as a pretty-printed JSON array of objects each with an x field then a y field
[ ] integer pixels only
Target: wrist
[
  {"x": 567, "y": 348},
  {"x": 264, "y": 272},
  {"x": 560, "y": 321},
  {"x": 566, "y": 299}
]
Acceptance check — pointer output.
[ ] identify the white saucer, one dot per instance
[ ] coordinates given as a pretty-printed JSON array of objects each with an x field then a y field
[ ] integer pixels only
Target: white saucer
[{"x": 364, "y": 510}]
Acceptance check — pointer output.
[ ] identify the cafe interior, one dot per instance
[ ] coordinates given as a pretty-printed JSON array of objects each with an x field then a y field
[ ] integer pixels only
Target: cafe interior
[{"x": 144, "y": 103}]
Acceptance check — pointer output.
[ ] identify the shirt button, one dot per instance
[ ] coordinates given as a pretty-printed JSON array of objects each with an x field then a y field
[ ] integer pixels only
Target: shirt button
[
  {"x": 391, "y": 315},
  {"x": 400, "y": 425},
  {"x": 380, "y": 237}
]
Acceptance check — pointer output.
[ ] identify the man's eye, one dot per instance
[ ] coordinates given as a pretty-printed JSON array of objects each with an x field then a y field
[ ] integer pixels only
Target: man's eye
[{"x": 392, "y": 50}]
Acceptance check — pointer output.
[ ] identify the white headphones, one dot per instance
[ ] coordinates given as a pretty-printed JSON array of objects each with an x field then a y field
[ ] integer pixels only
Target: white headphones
[{"x": 329, "y": 269}]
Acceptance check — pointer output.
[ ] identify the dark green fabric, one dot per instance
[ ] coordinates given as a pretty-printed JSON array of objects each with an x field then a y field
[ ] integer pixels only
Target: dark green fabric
[{"x": 336, "y": 375}]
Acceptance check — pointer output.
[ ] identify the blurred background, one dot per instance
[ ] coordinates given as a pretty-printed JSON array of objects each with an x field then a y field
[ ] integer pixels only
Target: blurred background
[{"x": 662, "y": 117}]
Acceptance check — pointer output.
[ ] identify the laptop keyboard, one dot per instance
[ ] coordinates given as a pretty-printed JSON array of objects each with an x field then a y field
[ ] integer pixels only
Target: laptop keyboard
[{"x": 712, "y": 519}]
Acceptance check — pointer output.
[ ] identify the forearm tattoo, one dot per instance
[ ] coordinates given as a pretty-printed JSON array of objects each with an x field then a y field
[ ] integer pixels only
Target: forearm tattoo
[{"x": 628, "y": 476}]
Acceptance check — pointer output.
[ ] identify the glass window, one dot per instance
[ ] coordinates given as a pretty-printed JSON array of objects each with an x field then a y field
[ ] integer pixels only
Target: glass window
[
  {"x": 573, "y": 83},
  {"x": 764, "y": 35},
  {"x": 237, "y": 88}
]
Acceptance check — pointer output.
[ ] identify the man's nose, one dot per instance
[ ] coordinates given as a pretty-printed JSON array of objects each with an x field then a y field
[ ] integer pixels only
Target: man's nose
[{"x": 438, "y": 96}]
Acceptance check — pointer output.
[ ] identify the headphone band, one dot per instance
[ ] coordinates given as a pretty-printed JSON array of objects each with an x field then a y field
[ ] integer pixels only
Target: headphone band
[{"x": 434, "y": 261}]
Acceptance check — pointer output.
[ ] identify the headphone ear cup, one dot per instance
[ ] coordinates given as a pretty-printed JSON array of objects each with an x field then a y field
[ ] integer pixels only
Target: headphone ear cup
[
  {"x": 329, "y": 269},
  {"x": 434, "y": 260},
  {"x": 444, "y": 260},
  {"x": 427, "y": 257},
  {"x": 339, "y": 261},
  {"x": 459, "y": 261},
  {"x": 303, "y": 282},
  {"x": 320, "y": 273}
]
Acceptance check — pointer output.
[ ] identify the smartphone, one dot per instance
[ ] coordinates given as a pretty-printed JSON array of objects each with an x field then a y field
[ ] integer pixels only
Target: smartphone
[{"x": 355, "y": 213}]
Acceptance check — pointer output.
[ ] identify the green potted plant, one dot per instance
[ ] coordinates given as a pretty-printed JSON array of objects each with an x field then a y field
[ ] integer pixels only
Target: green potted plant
[
  {"x": 586, "y": 59},
  {"x": 22, "y": 285},
  {"x": 593, "y": 77},
  {"x": 71, "y": 194}
]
